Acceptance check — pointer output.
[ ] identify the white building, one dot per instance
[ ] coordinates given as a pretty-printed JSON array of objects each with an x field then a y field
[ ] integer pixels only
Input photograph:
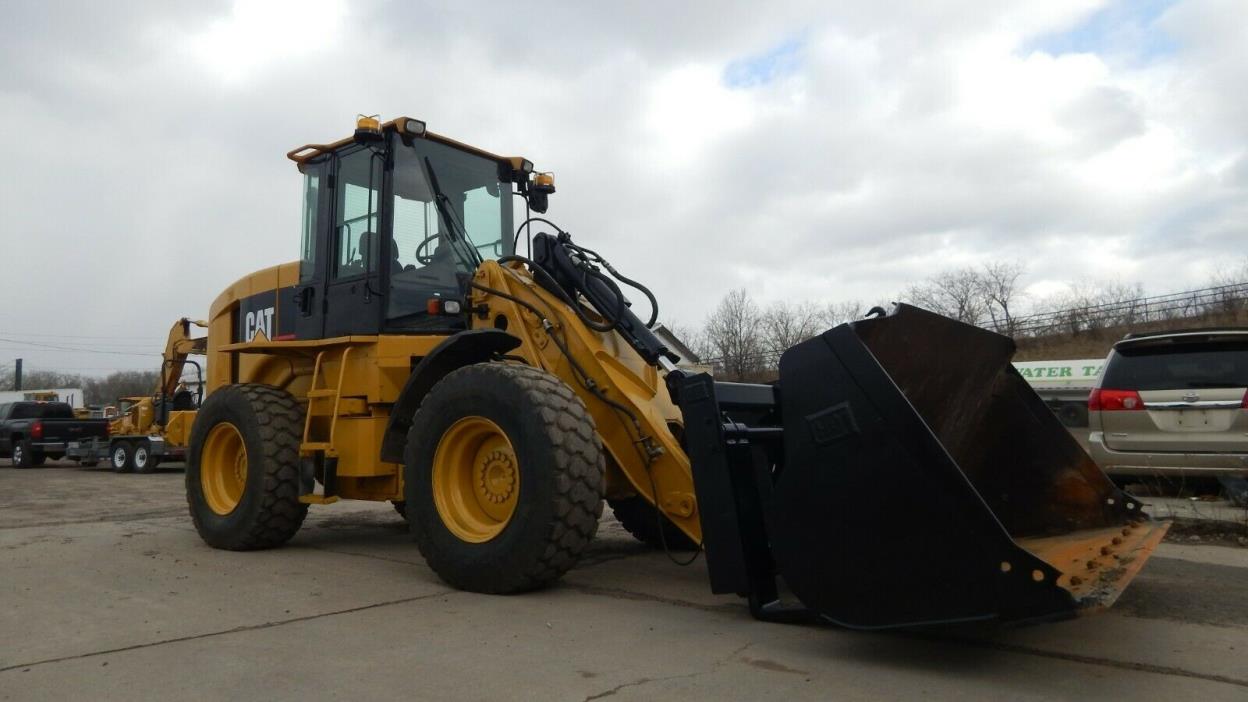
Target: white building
[{"x": 71, "y": 395}]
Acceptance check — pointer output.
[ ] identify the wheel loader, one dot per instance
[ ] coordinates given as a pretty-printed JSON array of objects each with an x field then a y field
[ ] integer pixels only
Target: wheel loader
[{"x": 495, "y": 384}]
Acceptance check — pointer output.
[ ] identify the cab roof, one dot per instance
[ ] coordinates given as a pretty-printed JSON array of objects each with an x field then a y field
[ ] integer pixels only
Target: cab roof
[{"x": 309, "y": 151}]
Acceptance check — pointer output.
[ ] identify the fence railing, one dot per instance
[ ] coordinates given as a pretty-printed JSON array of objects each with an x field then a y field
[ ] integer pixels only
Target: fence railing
[
  {"x": 1158, "y": 308},
  {"x": 1082, "y": 318}
]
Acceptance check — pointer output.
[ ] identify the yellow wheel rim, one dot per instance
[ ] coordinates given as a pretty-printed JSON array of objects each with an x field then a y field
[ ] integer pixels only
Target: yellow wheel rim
[
  {"x": 223, "y": 468},
  {"x": 476, "y": 479}
]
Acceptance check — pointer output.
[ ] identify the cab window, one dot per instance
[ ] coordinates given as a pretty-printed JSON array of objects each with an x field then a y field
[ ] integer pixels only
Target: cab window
[
  {"x": 356, "y": 214},
  {"x": 307, "y": 252},
  {"x": 449, "y": 211}
]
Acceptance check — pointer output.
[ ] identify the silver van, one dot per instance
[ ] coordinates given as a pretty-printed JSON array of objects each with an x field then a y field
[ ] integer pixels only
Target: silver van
[{"x": 1174, "y": 403}]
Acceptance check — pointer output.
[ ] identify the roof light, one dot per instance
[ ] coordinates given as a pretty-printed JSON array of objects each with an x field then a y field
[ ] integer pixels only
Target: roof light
[
  {"x": 526, "y": 165},
  {"x": 368, "y": 128},
  {"x": 544, "y": 183}
]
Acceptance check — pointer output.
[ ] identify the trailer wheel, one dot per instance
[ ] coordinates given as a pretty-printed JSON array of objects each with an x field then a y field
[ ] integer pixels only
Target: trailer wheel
[
  {"x": 142, "y": 459},
  {"x": 121, "y": 456},
  {"x": 22, "y": 454},
  {"x": 639, "y": 518},
  {"x": 504, "y": 478},
  {"x": 242, "y": 469}
]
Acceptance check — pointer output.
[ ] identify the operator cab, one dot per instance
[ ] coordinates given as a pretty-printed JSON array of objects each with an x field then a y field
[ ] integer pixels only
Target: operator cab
[{"x": 395, "y": 222}]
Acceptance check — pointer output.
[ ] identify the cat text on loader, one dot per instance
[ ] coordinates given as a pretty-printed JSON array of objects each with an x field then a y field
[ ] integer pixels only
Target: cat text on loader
[{"x": 899, "y": 473}]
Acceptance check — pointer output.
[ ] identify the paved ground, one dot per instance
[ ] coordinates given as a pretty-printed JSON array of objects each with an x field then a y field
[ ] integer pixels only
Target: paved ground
[
  {"x": 1200, "y": 509},
  {"x": 106, "y": 592}
]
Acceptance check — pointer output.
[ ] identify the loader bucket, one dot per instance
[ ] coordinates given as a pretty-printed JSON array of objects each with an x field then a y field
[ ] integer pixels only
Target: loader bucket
[{"x": 923, "y": 481}]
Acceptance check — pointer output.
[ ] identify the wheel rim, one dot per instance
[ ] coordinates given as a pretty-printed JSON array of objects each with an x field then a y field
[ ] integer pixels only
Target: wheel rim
[
  {"x": 476, "y": 479},
  {"x": 17, "y": 454},
  {"x": 140, "y": 457},
  {"x": 223, "y": 468}
]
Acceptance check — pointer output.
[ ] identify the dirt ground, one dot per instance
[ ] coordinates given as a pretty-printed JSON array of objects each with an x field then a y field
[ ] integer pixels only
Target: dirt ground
[{"x": 110, "y": 594}]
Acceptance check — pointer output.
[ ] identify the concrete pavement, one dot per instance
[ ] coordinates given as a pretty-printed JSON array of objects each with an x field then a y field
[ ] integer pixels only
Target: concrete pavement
[{"x": 109, "y": 593}]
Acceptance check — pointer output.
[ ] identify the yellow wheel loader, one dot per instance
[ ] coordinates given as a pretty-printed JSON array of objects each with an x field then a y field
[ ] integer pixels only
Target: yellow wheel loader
[{"x": 497, "y": 386}]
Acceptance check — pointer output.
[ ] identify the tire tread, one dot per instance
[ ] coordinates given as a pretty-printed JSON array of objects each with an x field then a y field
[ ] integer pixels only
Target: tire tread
[
  {"x": 280, "y": 421},
  {"x": 578, "y": 477}
]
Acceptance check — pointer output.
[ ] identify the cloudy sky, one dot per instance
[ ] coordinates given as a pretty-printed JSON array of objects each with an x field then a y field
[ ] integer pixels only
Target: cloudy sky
[{"x": 808, "y": 150}]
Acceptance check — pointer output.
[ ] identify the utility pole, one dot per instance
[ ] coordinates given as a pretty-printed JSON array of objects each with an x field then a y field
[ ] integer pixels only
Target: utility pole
[{"x": 17, "y": 375}]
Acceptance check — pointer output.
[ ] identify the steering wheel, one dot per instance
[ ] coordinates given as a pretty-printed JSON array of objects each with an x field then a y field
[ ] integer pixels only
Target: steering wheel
[{"x": 428, "y": 258}]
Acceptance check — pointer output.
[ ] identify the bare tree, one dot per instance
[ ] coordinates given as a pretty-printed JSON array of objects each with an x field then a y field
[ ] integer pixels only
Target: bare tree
[
  {"x": 1088, "y": 305},
  {"x": 1000, "y": 290},
  {"x": 96, "y": 390},
  {"x": 733, "y": 337},
  {"x": 786, "y": 324},
  {"x": 106, "y": 390},
  {"x": 1231, "y": 279},
  {"x": 847, "y": 311},
  {"x": 1120, "y": 303},
  {"x": 690, "y": 337},
  {"x": 957, "y": 294}
]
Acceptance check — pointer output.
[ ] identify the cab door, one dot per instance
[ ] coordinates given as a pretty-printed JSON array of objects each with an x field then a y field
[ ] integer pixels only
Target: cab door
[{"x": 353, "y": 300}]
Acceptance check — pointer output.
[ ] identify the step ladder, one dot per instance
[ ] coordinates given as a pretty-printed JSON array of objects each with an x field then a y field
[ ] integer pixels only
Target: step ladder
[{"x": 317, "y": 455}]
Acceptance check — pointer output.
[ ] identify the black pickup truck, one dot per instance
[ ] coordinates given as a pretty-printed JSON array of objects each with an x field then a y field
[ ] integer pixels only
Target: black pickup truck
[{"x": 32, "y": 432}]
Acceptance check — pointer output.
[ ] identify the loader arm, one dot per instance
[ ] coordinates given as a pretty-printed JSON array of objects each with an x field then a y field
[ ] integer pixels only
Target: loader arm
[
  {"x": 626, "y": 395},
  {"x": 179, "y": 345}
]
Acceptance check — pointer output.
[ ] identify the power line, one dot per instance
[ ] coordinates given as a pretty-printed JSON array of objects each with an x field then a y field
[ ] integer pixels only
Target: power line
[
  {"x": 85, "y": 336},
  {"x": 77, "y": 349}
]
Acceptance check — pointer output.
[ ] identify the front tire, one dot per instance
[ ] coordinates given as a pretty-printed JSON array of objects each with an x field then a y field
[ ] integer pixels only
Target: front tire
[
  {"x": 242, "y": 469},
  {"x": 503, "y": 478}
]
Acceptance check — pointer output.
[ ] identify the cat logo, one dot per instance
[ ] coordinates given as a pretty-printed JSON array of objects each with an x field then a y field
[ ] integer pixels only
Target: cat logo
[{"x": 258, "y": 322}]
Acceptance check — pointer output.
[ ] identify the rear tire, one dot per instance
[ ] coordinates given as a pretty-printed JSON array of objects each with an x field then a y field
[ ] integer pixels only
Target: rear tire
[
  {"x": 243, "y": 494},
  {"x": 142, "y": 459},
  {"x": 121, "y": 456},
  {"x": 640, "y": 518},
  {"x": 23, "y": 455},
  {"x": 543, "y": 447}
]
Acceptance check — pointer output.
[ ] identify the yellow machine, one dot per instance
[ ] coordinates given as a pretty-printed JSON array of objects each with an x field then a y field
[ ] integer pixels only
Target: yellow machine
[
  {"x": 413, "y": 355},
  {"x": 157, "y": 428}
]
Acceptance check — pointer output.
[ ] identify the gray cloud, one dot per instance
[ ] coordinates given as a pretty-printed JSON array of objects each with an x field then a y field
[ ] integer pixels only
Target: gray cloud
[{"x": 148, "y": 139}]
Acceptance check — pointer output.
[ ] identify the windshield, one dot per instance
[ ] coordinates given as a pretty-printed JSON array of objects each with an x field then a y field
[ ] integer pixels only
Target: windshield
[
  {"x": 1179, "y": 366},
  {"x": 450, "y": 211}
]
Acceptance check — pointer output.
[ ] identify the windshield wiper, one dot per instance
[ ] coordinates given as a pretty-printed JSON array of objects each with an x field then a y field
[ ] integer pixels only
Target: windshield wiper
[{"x": 459, "y": 242}]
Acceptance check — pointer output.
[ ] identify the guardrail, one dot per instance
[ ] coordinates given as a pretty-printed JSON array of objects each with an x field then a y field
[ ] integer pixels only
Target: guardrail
[{"x": 1180, "y": 305}]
